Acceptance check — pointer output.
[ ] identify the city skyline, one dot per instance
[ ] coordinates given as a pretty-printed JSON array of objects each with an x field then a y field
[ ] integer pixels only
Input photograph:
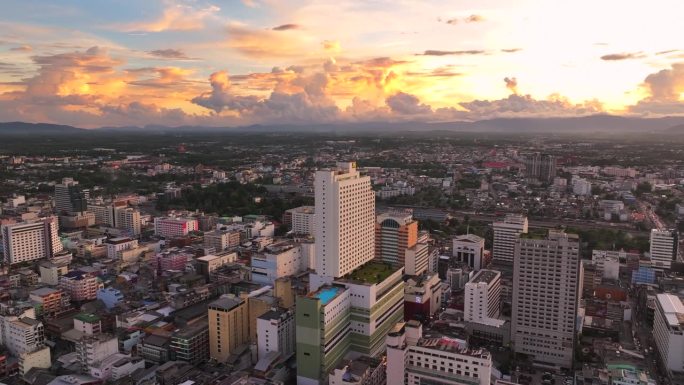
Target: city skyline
[{"x": 247, "y": 62}]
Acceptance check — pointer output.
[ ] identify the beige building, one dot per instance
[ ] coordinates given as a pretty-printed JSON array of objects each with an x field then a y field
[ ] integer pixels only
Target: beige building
[
  {"x": 228, "y": 326},
  {"x": 546, "y": 287}
]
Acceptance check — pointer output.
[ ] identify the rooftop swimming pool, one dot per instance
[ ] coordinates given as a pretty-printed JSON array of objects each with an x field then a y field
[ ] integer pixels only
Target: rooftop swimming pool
[{"x": 326, "y": 294}]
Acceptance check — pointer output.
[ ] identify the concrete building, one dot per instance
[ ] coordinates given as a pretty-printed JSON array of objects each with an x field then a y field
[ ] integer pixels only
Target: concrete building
[
  {"x": 279, "y": 260},
  {"x": 22, "y": 335},
  {"x": 540, "y": 166},
  {"x": 174, "y": 227},
  {"x": 38, "y": 358},
  {"x": 506, "y": 233},
  {"x": 173, "y": 259},
  {"x": 344, "y": 221},
  {"x": 88, "y": 324},
  {"x": 415, "y": 358},
  {"x": 110, "y": 296},
  {"x": 417, "y": 259},
  {"x": 360, "y": 371},
  {"x": 221, "y": 240},
  {"x": 29, "y": 241},
  {"x": 50, "y": 301},
  {"x": 228, "y": 327},
  {"x": 581, "y": 186},
  {"x": 395, "y": 233},
  {"x": 422, "y": 296},
  {"x": 191, "y": 343},
  {"x": 302, "y": 220},
  {"x": 80, "y": 286},
  {"x": 276, "y": 333},
  {"x": 608, "y": 262},
  {"x": 116, "y": 246},
  {"x": 546, "y": 292},
  {"x": 69, "y": 198},
  {"x": 116, "y": 367},
  {"x": 323, "y": 333},
  {"x": 93, "y": 349},
  {"x": 668, "y": 331},
  {"x": 469, "y": 249},
  {"x": 128, "y": 219},
  {"x": 664, "y": 247},
  {"x": 483, "y": 298},
  {"x": 50, "y": 272},
  {"x": 207, "y": 264}
]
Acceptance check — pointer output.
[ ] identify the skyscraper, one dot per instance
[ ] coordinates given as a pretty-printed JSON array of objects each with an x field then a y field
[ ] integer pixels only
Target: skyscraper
[
  {"x": 506, "y": 233},
  {"x": 394, "y": 234},
  {"x": 540, "y": 166},
  {"x": 546, "y": 284},
  {"x": 23, "y": 242},
  {"x": 344, "y": 221},
  {"x": 69, "y": 198},
  {"x": 228, "y": 327},
  {"x": 664, "y": 247},
  {"x": 483, "y": 297}
]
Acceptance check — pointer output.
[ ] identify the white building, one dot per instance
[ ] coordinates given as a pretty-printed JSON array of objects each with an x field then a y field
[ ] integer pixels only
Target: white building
[
  {"x": 417, "y": 259},
  {"x": 344, "y": 221},
  {"x": 302, "y": 219},
  {"x": 38, "y": 358},
  {"x": 23, "y": 335},
  {"x": 506, "y": 233},
  {"x": 581, "y": 186},
  {"x": 546, "y": 286},
  {"x": 413, "y": 358},
  {"x": 24, "y": 242},
  {"x": 174, "y": 227},
  {"x": 668, "y": 331},
  {"x": 483, "y": 298},
  {"x": 276, "y": 333},
  {"x": 469, "y": 249},
  {"x": 608, "y": 262},
  {"x": 280, "y": 260},
  {"x": 221, "y": 240},
  {"x": 92, "y": 350},
  {"x": 664, "y": 247},
  {"x": 116, "y": 366},
  {"x": 116, "y": 246},
  {"x": 127, "y": 218}
]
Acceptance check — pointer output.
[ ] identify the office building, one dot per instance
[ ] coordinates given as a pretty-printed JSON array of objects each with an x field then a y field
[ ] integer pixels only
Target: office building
[
  {"x": 395, "y": 233},
  {"x": 482, "y": 302},
  {"x": 664, "y": 247},
  {"x": 546, "y": 289},
  {"x": 191, "y": 343},
  {"x": 174, "y": 227},
  {"x": 541, "y": 167},
  {"x": 276, "y": 333},
  {"x": 344, "y": 221},
  {"x": 506, "y": 233},
  {"x": 668, "y": 331},
  {"x": 228, "y": 327},
  {"x": 415, "y": 358},
  {"x": 469, "y": 249},
  {"x": 29, "y": 241},
  {"x": 69, "y": 198}
]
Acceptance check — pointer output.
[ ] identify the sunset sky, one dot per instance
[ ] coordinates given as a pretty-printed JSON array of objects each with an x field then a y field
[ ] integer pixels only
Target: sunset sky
[{"x": 95, "y": 63}]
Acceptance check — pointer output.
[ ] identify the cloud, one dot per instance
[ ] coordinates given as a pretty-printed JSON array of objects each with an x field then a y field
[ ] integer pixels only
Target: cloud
[
  {"x": 468, "y": 19},
  {"x": 286, "y": 27},
  {"x": 22, "y": 48},
  {"x": 511, "y": 50},
  {"x": 174, "y": 18},
  {"x": 526, "y": 106},
  {"x": 669, "y": 51},
  {"x": 432, "y": 52},
  {"x": 169, "y": 53},
  {"x": 511, "y": 84},
  {"x": 664, "y": 90},
  {"x": 331, "y": 46},
  {"x": 262, "y": 44},
  {"x": 452, "y": 21},
  {"x": 407, "y": 104},
  {"x": 623, "y": 56}
]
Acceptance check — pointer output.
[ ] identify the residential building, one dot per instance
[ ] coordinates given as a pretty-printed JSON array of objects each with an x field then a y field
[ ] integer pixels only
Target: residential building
[
  {"x": 22, "y": 335},
  {"x": 174, "y": 227},
  {"x": 276, "y": 333},
  {"x": 69, "y": 198},
  {"x": 302, "y": 220},
  {"x": 127, "y": 218},
  {"x": 415, "y": 358},
  {"x": 110, "y": 296},
  {"x": 540, "y": 166},
  {"x": 395, "y": 233},
  {"x": 50, "y": 301},
  {"x": 50, "y": 272},
  {"x": 29, "y": 241},
  {"x": 469, "y": 249},
  {"x": 417, "y": 259},
  {"x": 546, "y": 290},
  {"x": 173, "y": 259},
  {"x": 482, "y": 302},
  {"x": 93, "y": 349},
  {"x": 668, "y": 331},
  {"x": 360, "y": 371},
  {"x": 506, "y": 233},
  {"x": 116, "y": 246},
  {"x": 191, "y": 343},
  {"x": 87, "y": 323},
  {"x": 664, "y": 247},
  {"x": 221, "y": 240},
  {"x": 228, "y": 326},
  {"x": 207, "y": 264},
  {"x": 37, "y": 358},
  {"x": 80, "y": 286},
  {"x": 344, "y": 221},
  {"x": 116, "y": 367}
]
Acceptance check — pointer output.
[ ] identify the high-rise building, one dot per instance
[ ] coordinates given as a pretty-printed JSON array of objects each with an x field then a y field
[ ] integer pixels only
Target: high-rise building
[
  {"x": 344, "y": 221},
  {"x": 228, "y": 327},
  {"x": 24, "y": 242},
  {"x": 172, "y": 227},
  {"x": 127, "y": 218},
  {"x": 664, "y": 247},
  {"x": 69, "y": 198},
  {"x": 506, "y": 233},
  {"x": 417, "y": 259},
  {"x": 546, "y": 285},
  {"x": 668, "y": 331},
  {"x": 414, "y": 358},
  {"x": 483, "y": 297},
  {"x": 422, "y": 296},
  {"x": 540, "y": 166},
  {"x": 191, "y": 343},
  {"x": 301, "y": 220},
  {"x": 395, "y": 233},
  {"x": 469, "y": 249},
  {"x": 276, "y": 333}
]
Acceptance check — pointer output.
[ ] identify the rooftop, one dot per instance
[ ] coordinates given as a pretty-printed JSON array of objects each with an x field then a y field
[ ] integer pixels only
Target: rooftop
[
  {"x": 327, "y": 293},
  {"x": 43, "y": 291},
  {"x": 673, "y": 310},
  {"x": 226, "y": 303},
  {"x": 372, "y": 272},
  {"x": 485, "y": 276},
  {"x": 87, "y": 317}
]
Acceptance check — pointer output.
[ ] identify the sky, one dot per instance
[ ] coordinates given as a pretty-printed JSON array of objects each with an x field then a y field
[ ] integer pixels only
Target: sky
[{"x": 93, "y": 63}]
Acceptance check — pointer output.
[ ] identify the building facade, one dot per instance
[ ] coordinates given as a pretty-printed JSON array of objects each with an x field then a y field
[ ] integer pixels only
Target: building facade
[
  {"x": 506, "y": 233},
  {"x": 395, "y": 233},
  {"x": 25, "y": 242}
]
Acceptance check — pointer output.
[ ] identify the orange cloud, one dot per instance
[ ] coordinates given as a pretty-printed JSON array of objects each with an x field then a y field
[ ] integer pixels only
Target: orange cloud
[{"x": 174, "y": 18}]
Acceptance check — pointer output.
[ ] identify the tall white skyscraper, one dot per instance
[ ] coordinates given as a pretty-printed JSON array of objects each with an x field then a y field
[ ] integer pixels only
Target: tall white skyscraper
[
  {"x": 664, "y": 247},
  {"x": 506, "y": 233},
  {"x": 344, "y": 221},
  {"x": 23, "y": 242},
  {"x": 483, "y": 297},
  {"x": 546, "y": 284}
]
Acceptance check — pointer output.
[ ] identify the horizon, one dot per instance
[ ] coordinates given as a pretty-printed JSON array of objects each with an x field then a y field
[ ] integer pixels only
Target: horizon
[{"x": 203, "y": 63}]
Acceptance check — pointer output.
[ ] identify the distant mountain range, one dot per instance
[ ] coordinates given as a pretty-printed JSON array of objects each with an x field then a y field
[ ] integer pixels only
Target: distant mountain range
[{"x": 581, "y": 125}]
